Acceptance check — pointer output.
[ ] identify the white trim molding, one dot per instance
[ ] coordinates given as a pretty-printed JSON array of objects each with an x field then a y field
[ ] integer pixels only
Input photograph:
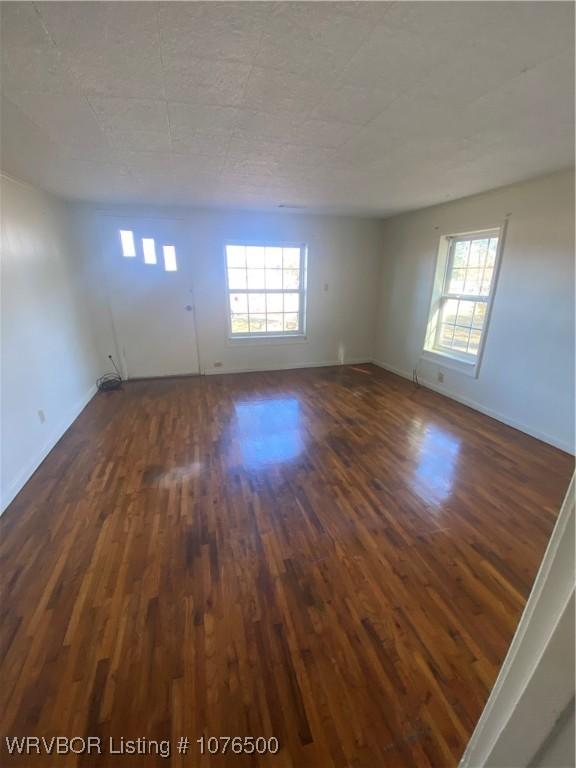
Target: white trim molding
[{"x": 290, "y": 366}]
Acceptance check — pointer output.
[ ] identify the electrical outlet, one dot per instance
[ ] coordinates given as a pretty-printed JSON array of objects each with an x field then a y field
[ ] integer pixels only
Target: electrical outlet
[
  {"x": 41, "y": 416},
  {"x": 441, "y": 377}
]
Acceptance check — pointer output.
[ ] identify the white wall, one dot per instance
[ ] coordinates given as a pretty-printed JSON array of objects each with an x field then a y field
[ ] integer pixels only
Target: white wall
[
  {"x": 48, "y": 360},
  {"x": 343, "y": 278},
  {"x": 526, "y": 377}
]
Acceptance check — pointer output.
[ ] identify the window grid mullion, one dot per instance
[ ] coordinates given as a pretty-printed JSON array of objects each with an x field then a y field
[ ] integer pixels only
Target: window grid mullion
[{"x": 464, "y": 297}]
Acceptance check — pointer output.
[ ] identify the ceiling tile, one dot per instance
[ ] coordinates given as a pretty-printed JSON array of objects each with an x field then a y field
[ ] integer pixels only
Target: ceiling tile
[
  {"x": 185, "y": 118},
  {"x": 147, "y": 141},
  {"x": 393, "y": 60},
  {"x": 81, "y": 26},
  {"x": 38, "y": 69},
  {"x": 223, "y": 31},
  {"x": 114, "y": 72},
  {"x": 310, "y": 39},
  {"x": 125, "y": 114},
  {"x": 66, "y": 119},
  {"x": 203, "y": 81},
  {"x": 188, "y": 167},
  {"x": 353, "y": 104},
  {"x": 274, "y": 126},
  {"x": 322, "y": 133},
  {"x": 21, "y": 26},
  {"x": 214, "y": 144},
  {"x": 272, "y": 91}
]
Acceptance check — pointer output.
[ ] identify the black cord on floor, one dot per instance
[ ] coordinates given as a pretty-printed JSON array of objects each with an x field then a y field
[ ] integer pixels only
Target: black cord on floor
[{"x": 110, "y": 381}]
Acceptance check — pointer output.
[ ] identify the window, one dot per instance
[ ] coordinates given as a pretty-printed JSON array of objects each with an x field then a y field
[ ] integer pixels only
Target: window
[
  {"x": 149, "y": 250},
  {"x": 127, "y": 240},
  {"x": 170, "y": 258},
  {"x": 128, "y": 243},
  {"x": 464, "y": 285},
  {"x": 266, "y": 289}
]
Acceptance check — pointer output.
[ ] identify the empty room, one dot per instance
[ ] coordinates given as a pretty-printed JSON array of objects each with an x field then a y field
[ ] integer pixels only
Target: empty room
[{"x": 287, "y": 384}]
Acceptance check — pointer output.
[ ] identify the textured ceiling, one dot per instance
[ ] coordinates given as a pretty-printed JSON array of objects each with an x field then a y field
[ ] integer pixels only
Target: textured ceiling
[{"x": 363, "y": 107}]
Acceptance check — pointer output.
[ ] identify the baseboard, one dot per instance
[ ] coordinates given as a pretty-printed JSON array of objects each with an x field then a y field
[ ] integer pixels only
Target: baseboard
[
  {"x": 545, "y": 438},
  {"x": 288, "y": 367},
  {"x": 10, "y": 493}
]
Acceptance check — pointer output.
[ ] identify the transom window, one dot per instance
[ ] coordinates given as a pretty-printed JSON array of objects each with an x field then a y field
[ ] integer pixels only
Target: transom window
[
  {"x": 128, "y": 243},
  {"x": 266, "y": 289},
  {"x": 464, "y": 286}
]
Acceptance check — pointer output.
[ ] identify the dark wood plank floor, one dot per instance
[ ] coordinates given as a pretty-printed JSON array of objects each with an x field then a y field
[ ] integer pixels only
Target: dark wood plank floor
[{"x": 329, "y": 556}]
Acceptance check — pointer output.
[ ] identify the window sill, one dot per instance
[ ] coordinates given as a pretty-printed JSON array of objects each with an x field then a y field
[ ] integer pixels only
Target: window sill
[
  {"x": 297, "y": 338},
  {"x": 453, "y": 362}
]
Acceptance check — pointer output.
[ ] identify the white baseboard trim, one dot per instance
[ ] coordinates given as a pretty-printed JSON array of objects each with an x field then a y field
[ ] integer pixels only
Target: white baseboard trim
[
  {"x": 9, "y": 494},
  {"x": 288, "y": 367},
  {"x": 545, "y": 438}
]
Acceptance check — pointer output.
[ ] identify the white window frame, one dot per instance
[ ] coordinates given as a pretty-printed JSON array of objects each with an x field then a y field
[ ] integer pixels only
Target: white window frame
[
  {"x": 462, "y": 362},
  {"x": 300, "y": 333}
]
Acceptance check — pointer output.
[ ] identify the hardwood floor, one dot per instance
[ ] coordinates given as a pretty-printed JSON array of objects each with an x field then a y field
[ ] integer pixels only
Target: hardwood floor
[{"x": 327, "y": 556}]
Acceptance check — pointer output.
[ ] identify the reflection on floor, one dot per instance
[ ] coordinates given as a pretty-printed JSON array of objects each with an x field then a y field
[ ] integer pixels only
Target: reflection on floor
[
  {"x": 328, "y": 556},
  {"x": 438, "y": 461},
  {"x": 268, "y": 431}
]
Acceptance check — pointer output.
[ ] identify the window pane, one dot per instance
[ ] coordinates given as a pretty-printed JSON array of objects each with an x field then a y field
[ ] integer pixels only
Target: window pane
[
  {"x": 255, "y": 256},
  {"x": 457, "y": 281},
  {"x": 291, "y": 321},
  {"x": 236, "y": 255},
  {"x": 291, "y": 258},
  {"x": 492, "y": 248},
  {"x": 461, "y": 250},
  {"x": 149, "y": 249},
  {"x": 236, "y": 278},
  {"x": 255, "y": 278},
  {"x": 474, "y": 342},
  {"x": 473, "y": 281},
  {"x": 291, "y": 302},
  {"x": 465, "y": 312},
  {"x": 479, "y": 314},
  {"x": 127, "y": 240},
  {"x": 449, "y": 310},
  {"x": 291, "y": 278},
  {"x": 256, "y": 303},
  {"x": 274, "y": 302},
  {"x": 170, "y": 258},
  {"x": 274, "y": 279},
  {"x": 486, "y": 282},
  {"x": 460, "y": 342},
  {"x": 274, "y": 322},
  {"x": 478, "y": 249},
  {"x": 273, "y": 258},
  {"x": 446, "y": 335},
  {"x": 257, "y": 323},
  {"x": 239, "y": 324},
  {"x": 238, "y": 303}
]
